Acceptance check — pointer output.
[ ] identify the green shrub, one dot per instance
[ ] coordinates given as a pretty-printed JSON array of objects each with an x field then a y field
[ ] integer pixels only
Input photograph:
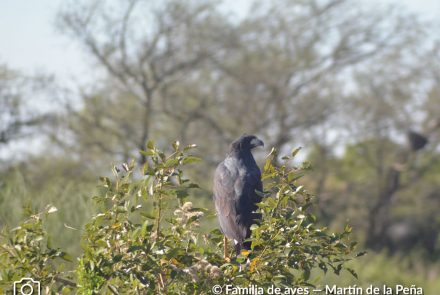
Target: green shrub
[
  {"x": 146, "y": 236},
  {"x": 26, "y": 251}
]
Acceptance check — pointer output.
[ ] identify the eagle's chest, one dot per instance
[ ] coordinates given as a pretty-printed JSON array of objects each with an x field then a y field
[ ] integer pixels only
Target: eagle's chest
[
  {"x": 233, "y": 167},
  {"x": 237, "y": 169},
  {"x": 242, "y": 175}
]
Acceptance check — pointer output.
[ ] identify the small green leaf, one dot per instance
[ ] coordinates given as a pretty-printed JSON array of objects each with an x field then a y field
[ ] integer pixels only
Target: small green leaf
[
  {"x": 188, "y": 147},
  {"x": 295, "y": 152},
  {"x": 147, "y": 153},
  {"x": 150, "y": 144},
  {"x": 361, "y": 253},
  {"x": 176, "y": 145},
  {"x": 254, "y": 227},
  {"x": 353, "y": 273},
  {"x": 171, "y": 163},
  {"x": 190, "y": 159}
]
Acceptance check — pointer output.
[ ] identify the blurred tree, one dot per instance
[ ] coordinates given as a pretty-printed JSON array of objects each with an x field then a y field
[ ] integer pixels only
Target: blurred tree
[
  {"x": 382, "y": 166},
  {"x": 179, "y": 70},
  {"x": 15, "y": 122},
  {"x": 394, "y": 106},
  {"x": 142, "y": 49},
  {"x": 284, "y": 72}
]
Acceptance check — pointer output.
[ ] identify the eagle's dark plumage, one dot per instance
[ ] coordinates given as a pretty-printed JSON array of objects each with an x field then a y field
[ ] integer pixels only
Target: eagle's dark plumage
[{"x": 236, "y": 181}]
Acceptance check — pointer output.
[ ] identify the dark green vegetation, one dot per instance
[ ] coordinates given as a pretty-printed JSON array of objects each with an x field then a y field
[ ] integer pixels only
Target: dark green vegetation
[{"x": 344, "y": 80}]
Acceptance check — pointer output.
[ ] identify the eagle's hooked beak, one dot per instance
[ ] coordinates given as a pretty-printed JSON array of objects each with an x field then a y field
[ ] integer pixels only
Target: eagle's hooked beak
[{"x": 256, "y": 142}]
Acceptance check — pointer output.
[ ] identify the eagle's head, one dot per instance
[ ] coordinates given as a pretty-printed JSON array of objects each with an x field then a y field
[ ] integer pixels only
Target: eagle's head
[{"x": 246, "y": 143}]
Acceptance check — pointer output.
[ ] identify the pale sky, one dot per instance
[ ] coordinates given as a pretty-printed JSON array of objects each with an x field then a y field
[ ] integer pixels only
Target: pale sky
[{"x": 30, "y": 42}]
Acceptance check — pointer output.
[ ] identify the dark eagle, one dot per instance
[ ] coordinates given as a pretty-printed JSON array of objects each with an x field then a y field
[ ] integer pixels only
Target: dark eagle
[
  {"x": 236, "y": 181},
  {"x": 417, "y": 141}
]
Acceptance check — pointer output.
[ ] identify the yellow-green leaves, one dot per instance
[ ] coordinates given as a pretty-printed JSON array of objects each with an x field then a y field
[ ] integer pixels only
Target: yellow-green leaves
[{"x": 146, "y": 238}]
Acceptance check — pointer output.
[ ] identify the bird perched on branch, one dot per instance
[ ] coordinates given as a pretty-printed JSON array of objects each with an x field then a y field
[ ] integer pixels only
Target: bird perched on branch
[
  {"x": 417, "y": 141},
  {"x": 236, "y": 183}
]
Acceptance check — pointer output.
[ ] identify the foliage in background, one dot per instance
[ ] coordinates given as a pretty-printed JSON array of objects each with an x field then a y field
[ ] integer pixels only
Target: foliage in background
[
  {"x": 41, "y": 182},
  {"x": 402, "y": 269}
]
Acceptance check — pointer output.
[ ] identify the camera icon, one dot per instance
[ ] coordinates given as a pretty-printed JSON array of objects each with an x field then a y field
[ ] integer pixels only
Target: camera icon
[{"x": 27, "y": 286}]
